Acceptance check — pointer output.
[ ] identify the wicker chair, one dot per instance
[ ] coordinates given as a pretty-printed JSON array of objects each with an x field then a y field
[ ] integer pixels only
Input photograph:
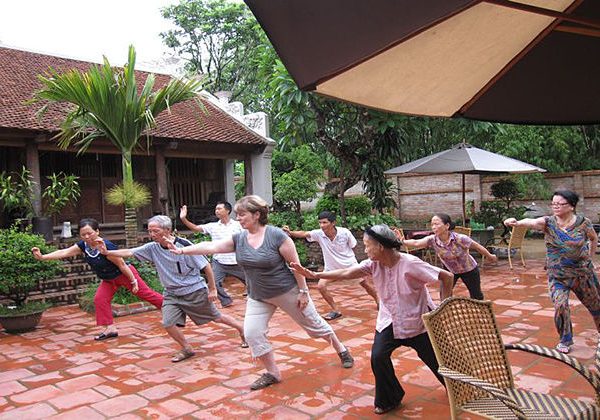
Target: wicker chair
[
  {"x": 517, "y": 237},
  {"x": 462, "y": 230},
  {"x": 473, "y": 362}
]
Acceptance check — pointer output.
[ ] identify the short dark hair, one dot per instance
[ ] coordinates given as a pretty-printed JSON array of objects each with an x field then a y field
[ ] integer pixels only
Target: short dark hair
[
  {"x": 571, "y": 196},
  {"x": 445, "y": 220},
  {"x": 226, "y": 204},
  {"x": 326, "y": 214},
  {"x": 93, "y": 223}
]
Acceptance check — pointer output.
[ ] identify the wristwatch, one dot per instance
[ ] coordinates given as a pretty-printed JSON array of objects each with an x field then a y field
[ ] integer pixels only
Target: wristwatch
[{"x": 303, "y": 291}]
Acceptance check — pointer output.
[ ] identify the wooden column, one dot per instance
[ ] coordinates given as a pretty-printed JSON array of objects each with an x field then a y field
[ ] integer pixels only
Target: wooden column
[
  {"x": 33, "y": 164},
  {"x": 160, "y": 202}
]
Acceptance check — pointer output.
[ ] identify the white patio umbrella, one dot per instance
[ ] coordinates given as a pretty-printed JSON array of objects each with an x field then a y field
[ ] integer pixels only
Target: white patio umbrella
[{"x": 465, "y": 159}]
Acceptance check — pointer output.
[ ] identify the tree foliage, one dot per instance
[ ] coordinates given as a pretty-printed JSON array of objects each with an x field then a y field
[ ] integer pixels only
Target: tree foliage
[
  {"x": 296, "y": 177},
  {"x": 219, "y": 40},
  {"x": 222, "y": 40}
]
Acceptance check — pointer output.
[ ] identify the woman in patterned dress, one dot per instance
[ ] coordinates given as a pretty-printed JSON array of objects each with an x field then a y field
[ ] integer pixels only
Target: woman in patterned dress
[
  {"x": 571, "y": 244},
  {"x": 454, "y": 251}
]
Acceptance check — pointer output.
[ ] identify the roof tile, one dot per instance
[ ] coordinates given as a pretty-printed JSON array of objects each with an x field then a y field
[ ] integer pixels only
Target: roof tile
[{"x": 18, "y": 81}]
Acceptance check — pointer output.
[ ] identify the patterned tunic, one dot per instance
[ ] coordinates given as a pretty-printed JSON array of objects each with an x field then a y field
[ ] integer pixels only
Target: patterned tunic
[{"x": 568, "y": 252}]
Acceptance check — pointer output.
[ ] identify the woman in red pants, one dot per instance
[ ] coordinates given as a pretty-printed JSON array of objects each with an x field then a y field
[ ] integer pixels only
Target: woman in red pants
[{"x": 113, "y": 271}]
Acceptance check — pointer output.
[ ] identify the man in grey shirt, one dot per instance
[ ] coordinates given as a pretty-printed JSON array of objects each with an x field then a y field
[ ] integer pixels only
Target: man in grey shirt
[{"x": 185, "y": 291}]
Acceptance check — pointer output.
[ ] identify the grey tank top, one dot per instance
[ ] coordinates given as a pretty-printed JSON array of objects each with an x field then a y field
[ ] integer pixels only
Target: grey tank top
[{"x": 267, "y": 274}]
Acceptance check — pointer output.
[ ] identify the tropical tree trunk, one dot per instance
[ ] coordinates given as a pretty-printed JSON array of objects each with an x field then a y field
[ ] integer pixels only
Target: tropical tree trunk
[
  {"x": 131, "y": 232},
  {"x": 131, "y": 224}
]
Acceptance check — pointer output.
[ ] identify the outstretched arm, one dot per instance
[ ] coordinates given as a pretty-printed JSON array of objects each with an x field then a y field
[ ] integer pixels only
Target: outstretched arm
[
  {"x": 122, "y": 253},
  {"x": 343, "y": 273},
  {"x": 205, "y": 248},
  {"x": 56, "y": 255},
  {"x": 537, "y": 224},
  {"x": 295, "y": 234},
  {"x": 483, "y": 251},
  {"x": 190, "y": 225},
  {"x": 416, "y": 243}
]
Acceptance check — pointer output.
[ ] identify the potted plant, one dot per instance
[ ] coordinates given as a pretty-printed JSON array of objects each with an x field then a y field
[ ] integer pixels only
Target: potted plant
[
  {"x": 16, "y": 190},
  {"x": 16, "y": 195},
  {"x": 62, "y": 190},
  {"x": 20, "y": 274}
]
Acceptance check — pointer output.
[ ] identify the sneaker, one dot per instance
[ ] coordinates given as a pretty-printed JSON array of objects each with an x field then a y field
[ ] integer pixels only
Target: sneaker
[
  {"x": 347, "y": 359},
  {"x": 265, "y": 380},
  {"x": 563, "y": 348}
]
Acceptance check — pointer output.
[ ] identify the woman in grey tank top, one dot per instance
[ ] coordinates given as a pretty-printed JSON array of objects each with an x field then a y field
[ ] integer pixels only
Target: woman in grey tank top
[{"x": 264, "y": 251}]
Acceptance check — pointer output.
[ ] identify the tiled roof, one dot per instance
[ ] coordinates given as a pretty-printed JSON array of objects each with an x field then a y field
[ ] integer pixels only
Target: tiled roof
[{"x": 18, "y": 81}]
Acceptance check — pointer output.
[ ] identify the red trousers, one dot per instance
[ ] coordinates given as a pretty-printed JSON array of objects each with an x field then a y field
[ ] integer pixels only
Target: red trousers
[{"x": 107, "y": 290}]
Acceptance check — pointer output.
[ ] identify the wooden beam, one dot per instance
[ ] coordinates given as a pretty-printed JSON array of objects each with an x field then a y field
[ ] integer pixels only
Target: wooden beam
[{"x": 33, "y": 164}]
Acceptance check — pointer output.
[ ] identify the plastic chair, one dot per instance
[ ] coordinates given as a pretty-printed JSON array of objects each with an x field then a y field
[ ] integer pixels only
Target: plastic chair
[
  {"x": 517, "y": 237},
  {"x": 472, "y": 358}
]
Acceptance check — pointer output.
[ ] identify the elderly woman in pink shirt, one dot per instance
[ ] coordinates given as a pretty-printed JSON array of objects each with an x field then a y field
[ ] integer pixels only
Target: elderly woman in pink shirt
[
  {"x": 400, "y": 280},
  {"x": 454, "y": 251}
]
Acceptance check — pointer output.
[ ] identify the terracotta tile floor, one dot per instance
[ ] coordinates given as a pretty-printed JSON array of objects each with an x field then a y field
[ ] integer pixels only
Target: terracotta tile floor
[{"x": 58, "y": 370}]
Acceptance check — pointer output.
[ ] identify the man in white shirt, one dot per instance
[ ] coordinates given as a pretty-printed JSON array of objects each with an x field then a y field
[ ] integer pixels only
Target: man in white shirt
[
  {"x": 223, "y": 265},
  {"x": 336, "y": 244}
]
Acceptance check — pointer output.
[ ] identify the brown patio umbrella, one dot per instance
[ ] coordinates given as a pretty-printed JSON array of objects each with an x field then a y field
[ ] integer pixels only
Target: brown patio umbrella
[
  {"x": 465, "y": 159},
  {"x": 532, "y": 61}
]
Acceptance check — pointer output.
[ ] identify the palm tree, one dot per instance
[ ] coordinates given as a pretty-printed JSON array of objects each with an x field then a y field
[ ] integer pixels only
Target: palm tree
[{"x": 107, "y": 104}]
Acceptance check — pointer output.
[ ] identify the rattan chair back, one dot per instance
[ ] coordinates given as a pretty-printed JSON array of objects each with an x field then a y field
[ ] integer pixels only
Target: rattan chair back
[
  {"x": 466, "y": 338},
  {"x": 517, "y": 236},
  {"x": 462, "y": 230}
]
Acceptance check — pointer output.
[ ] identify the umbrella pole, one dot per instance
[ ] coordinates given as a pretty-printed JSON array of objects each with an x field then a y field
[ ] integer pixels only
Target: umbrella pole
[{"x": 464, "y": 210}]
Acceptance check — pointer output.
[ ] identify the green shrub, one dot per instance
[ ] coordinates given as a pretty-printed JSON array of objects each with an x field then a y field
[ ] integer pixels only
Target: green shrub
[
  {"x": 358, "y": 206},
  {"x": 20, "y": 273},
  {"x": 361, "y": 222},
  {"x": 493, "y": 213},
  {"x": 328, "y": 202},
  {"x": 286, "y": 218},
  {"x": 302, "y": 250}
]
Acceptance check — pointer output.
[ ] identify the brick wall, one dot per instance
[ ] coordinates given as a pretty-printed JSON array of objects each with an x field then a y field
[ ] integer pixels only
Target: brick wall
[{"x": 419, "y": 196}]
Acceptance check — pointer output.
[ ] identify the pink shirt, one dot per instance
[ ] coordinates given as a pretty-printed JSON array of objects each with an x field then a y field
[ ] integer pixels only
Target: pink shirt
[
  {"x": 455, "y": 254},
  {"x": 403, "y": 297}
]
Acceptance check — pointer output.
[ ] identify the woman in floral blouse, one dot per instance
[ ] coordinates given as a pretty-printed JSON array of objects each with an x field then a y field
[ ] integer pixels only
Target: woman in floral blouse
[
  {"x": 571, "y": 244},
  {"x": 453, "y": 249}
]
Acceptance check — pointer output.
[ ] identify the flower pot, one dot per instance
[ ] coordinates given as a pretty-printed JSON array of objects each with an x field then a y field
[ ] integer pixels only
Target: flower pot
[
  {"x": 19, "y": 323},
  {"x": 43, "y": 226}
]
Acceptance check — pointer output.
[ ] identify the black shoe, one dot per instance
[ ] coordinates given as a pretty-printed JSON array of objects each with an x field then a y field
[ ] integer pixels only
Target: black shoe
[
  {"x": 106, "y": 336},
  {"x": 382, "y": 410}
]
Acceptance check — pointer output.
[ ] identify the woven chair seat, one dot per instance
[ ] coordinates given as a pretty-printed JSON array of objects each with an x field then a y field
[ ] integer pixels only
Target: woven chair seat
[
  {"x": 535, "y": 406},
  {"x": 472, "y": 358}
]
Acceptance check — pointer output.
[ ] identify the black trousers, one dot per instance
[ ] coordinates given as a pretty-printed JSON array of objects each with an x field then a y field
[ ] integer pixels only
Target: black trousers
[
  {"x": 388, "y": 391},
  {"x": 472, "y": 280}
]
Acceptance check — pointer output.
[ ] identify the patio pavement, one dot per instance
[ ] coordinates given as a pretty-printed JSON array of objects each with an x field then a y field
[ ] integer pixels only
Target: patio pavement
[{"x": 58, "y": 371}]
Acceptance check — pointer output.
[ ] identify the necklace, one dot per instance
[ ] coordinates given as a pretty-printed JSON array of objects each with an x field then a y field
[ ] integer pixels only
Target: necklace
[
  {"x": 566, "y": 224},
  {"x": 91, "y": 252}
]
